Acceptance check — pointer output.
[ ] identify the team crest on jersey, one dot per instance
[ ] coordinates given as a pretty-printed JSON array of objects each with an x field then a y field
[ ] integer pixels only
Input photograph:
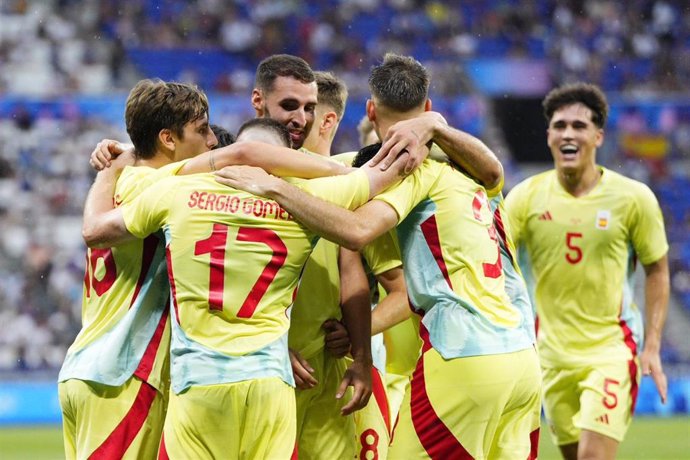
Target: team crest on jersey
[{"x": 603, "y": 219}]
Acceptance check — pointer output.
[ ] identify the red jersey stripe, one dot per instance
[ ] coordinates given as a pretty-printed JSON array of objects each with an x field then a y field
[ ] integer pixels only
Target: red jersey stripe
[
  {"x": 430, "y": 231},
  {"x": 148, "y": 252},
  {"x": 379, "y": 391},
  {"x": 146, "y": 364},
  {"x": 534, "y": 445},
  {"x": 500, "y": 228},
  {"x": 171, "y": 279},
  {"x": 632, "y": 364},
  {"x": 162, "y": 450}
]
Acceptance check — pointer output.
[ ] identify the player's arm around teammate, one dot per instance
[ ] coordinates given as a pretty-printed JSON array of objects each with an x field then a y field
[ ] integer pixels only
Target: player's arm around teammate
[
  {"x": 468, "y": 152},
  {"x": 277, "y": 160},
  {"x": 354, "y": 230},
  {"x": 105, "y": 229}
]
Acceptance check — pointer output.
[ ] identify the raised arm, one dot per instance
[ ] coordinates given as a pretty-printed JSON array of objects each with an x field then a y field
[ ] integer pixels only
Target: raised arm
[
  {"x": 107, "y": 150},
  {"x": 351, "y": 229},
  {"x": 465, "y": 150},
  {"x": 279, "y": 161},
  {"x": 102, "y": 225},
  {"x": 108, "y": 230},
  {"x": 656, "y": 308}
]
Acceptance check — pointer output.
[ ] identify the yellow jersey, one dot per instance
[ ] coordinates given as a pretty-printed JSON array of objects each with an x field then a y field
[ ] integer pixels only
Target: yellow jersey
[
  {"x": 581, "y": 254},
  {"x": 234, "y": 261}
]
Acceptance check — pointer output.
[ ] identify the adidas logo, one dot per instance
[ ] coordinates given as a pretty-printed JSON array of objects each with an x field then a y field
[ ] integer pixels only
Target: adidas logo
[
  {"x": 546, "y": 216},
  {"x": 603, "y": 419}
]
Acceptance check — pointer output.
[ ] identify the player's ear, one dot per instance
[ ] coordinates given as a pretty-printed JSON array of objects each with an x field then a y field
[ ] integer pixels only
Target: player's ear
[
  {"x": 600, "y": 137},
  {"x": 166, "y": 139},
  {"x": 371, "y": 110},
  {"x": 329, "y": 120},
  {"x": 257, "y": 101}
]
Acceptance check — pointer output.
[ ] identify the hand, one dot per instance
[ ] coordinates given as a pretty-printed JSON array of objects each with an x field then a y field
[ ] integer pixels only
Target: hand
[
  {"x": 337, "y": 339},
  {"x": 302, "y": 371},
  {"x": 105, "y": 151},
  {"x": 410, "y": 136},
  {"x": 651, "y": 365},
  {"x": 358, "y": 376},
  {"x": 125, "y": 158},
  {"x": 248, "y": 178}
]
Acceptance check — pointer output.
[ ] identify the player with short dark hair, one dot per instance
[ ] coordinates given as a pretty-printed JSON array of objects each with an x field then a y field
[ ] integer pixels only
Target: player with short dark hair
[
  {"x": 270, "y": 125},
  {"x": 114, "y": 382},
  {"x": 285, "y": 90},
  {"x": 583, "y": 228}
]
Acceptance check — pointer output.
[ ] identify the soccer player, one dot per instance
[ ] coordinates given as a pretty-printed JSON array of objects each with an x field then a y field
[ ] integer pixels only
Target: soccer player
[
  {"x": 332, "y": 277},
  {"x": 234, "y": 261},
  {"x": 285, "y": 90},
  {"x": 114, "y": 381},
  {"x": 583, "y": 228},
  {"x": 476, "y": 388},
  {"x": 402, "y": 340}
]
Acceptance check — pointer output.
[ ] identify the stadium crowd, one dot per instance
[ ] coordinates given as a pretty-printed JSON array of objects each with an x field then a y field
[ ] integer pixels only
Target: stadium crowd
[{"x": 89, "y": 47}]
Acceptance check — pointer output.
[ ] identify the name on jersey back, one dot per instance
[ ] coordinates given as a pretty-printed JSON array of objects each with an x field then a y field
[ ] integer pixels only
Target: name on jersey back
[{"x": 209, "y": 201}]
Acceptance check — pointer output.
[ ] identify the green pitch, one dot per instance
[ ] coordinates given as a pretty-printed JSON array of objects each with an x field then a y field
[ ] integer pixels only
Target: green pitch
[{"x": 648, "y": 439}]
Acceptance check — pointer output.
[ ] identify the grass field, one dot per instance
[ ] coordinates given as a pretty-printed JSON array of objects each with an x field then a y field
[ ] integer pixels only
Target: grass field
[{"x": 648, "y": 439}]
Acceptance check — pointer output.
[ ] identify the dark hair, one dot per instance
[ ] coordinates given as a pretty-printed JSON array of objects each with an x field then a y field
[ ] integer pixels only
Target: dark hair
[
  {"x": 154, "y": 105},
  {"x": 282, "y": 65},
  {"x": 400, "y": 83},
  {"x": 269, "y": 125},
  {"x": 224, "y": 137},
  {"x": 365, "y": 154},
  {"x": 583, "y": 93},
  {"x": 332, "y": 92}
]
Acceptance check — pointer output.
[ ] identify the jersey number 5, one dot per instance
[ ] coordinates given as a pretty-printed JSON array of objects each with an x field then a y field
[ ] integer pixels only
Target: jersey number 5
[
  {"x": 610, "y": 399},
  {"x": 574, "y": 254},
  {"x": 215, "y": 246}
]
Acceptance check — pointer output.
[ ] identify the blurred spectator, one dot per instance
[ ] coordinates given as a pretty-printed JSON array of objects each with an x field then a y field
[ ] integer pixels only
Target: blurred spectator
[{"x": 83, "y": 46}]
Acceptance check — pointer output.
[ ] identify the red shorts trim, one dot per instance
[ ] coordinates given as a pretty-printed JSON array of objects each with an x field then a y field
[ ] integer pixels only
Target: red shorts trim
[{"x": 117, "y": 443}]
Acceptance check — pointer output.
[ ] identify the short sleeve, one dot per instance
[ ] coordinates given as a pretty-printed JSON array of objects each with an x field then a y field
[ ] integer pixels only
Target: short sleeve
[
  {"x": 647, "y": 231},
  {"x": 148, "y": 211},
  {"x": 515, "y": 208},
  {"x": 349, "y": 191},
  {"x": 383, "y": 253},
  {"x": 407, "y": 194}
]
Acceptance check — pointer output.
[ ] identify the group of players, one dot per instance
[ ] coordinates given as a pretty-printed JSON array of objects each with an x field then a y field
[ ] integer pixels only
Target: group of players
[{"x": 208, "y": 296}]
